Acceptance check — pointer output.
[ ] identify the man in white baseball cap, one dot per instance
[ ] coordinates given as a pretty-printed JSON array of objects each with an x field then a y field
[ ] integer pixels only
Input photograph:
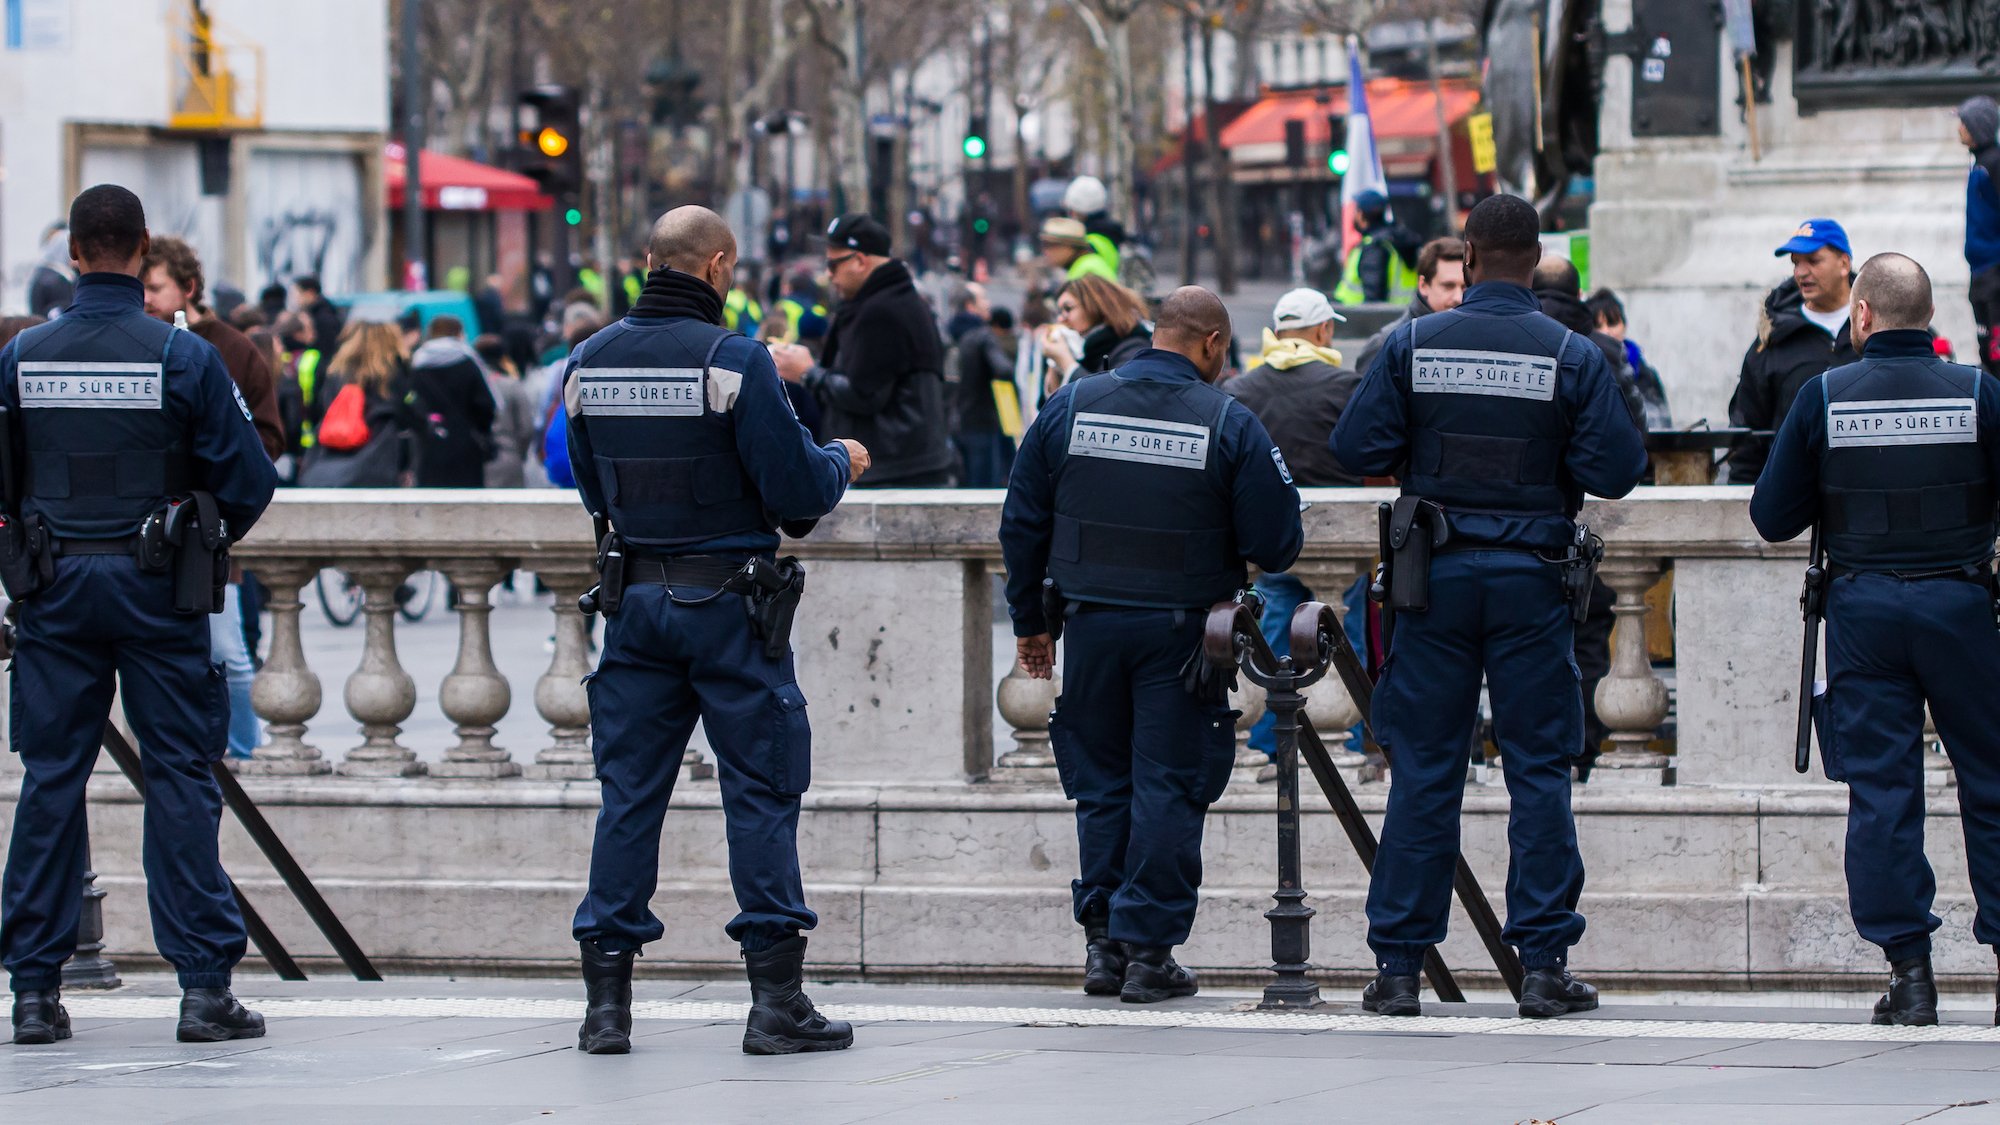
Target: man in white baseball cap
[
  {"x": 1089, "y": 203},
  {"x": 1297, "y": 388}
]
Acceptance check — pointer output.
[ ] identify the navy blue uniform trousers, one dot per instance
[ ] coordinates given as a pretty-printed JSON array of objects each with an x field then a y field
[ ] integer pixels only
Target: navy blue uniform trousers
[
  {"x": 664, "y": 667},
  {"x": 1891, "y": 644},
  {"x": 103, "y": 617},
  {"x": 1143, "y": 760},
  {"x": 1504, "y": 612}
]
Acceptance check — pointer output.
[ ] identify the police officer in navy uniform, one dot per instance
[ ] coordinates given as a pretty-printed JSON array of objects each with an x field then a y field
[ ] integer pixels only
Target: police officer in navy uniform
[
  {"x": 1502, "y": 419},
  {"x": 681, "y": 438},
  {"x": 1895, "y": 457},
  {"x": 110, "y": 415},
  {"x": 1140, "y": 492}
]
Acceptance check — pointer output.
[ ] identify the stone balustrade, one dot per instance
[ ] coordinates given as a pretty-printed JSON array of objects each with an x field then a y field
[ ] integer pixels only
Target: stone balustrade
[{"x": 1709, "y": 858}]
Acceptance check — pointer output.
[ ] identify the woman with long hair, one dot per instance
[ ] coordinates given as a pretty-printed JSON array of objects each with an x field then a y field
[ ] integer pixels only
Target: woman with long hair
[
  {"x": 363, "y": 440},
  {"x": 1099, "y": 325}
]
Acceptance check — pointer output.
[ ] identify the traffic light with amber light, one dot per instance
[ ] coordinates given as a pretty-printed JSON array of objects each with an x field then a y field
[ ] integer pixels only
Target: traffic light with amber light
[{"x": 551, "y": 138}]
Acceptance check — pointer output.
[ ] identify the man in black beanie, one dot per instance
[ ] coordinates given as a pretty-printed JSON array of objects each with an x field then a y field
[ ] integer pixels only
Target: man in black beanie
[
  {"x": 1978, "y": 130},
  {"x": 880, "y": 376}
]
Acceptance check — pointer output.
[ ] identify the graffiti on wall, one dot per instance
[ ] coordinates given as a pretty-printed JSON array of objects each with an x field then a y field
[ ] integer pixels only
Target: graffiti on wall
[
  {"x": 304, "y": 217},
  {"x": 294, "y": 244}
]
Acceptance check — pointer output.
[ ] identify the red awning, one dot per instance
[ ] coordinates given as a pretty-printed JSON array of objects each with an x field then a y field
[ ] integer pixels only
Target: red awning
[
  {"x": 453, "y": 183},
  {"x": 1399, "y": 108}
]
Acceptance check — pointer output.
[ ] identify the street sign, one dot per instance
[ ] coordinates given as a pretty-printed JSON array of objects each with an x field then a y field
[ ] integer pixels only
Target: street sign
[
  {"x": 1742, "y": 33},
  {"x": 1485, "y": 158}
]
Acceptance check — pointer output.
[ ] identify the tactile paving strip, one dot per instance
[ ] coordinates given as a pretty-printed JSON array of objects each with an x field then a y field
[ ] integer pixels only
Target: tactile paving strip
[{"x": 149, "y": 1007}]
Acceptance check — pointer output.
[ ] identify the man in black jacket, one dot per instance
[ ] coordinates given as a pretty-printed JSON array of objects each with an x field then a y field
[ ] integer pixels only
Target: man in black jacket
[
  {"x": 881, "y": 373},
  {"x": 1801, "y": 332},
  {"x": 985, "y": 369}
]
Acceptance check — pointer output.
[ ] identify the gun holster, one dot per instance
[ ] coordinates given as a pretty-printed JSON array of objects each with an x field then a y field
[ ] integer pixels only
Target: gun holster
[
  {"x": 609, "y": 593},
  {"x": 25, "y": 566},
  {"x": 1055, "y": 608},
  {"x": 776, "y": 588},
  {"x": 1579, "y": 571},
  {"x": 1417, "y": 527},
  {"x": 199, "y": 538}
]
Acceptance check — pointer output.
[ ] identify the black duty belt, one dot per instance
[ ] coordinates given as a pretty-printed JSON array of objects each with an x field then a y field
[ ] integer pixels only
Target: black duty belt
[
  {"x": 127, "y": 545},
  {"x": 1979, "y": 575},
  {"x": 692, "y": 570}
]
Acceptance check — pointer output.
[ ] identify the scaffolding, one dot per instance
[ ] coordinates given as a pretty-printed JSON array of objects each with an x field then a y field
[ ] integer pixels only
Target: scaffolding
[{"x": 216, "y": 76}]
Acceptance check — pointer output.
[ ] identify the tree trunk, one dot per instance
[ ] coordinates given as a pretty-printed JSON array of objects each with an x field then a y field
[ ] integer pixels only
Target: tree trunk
[
  {"x": 850, "y": 110},
  {"x": 1221, "y": 188},
  {"x": 1124, "y": 200},
  {"x": 723, "y": 149}
]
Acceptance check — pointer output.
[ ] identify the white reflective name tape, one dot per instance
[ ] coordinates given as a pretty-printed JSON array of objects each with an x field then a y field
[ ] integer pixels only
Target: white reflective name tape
[
  {"x": 81, "y": 385},
  {"x": 1144, "y": 440},
  {"x": 1506, "y": 374},
  {"x": 640, "y": 391},
  {"x": 1911, "y": 421}
]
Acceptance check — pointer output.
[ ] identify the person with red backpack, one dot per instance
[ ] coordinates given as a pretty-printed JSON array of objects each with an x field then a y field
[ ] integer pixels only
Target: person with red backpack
[{"x": 363, "y": 439}]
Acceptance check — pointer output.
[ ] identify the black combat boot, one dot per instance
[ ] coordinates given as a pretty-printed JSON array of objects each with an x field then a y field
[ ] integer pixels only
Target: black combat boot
[
  {"x": 783, "y": 1020},
  {"x": 607, "y": 1013},
  {"x": 39, "y": 1016},
  {"x": 1392, "y": 995},
  {"x": 1912, "y": 997},
  {"x": 1151, "y": 975},
  {"x": 1103, "y": 959},
  {"x": 1553, "y": 992},
  {"x": 211, "y": 1015}
]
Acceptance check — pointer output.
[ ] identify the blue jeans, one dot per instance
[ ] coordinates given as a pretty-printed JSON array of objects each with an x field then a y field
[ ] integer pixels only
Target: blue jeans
[
  {"x": 1283, "y": 595},
  {"x": 228, "y": 649},
  {"x": 989, "y": 458}
]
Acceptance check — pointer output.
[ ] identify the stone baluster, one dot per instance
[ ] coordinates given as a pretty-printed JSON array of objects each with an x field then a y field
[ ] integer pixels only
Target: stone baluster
[
  {"x": 286, "y": 692},
  {"x": 560, "y": 697},
  {"x": 475, "y": 696},
  {"x": 1938, "y": 773},
  {"x": 1631, "y": 700},
  {"x": 380, "y": 694},
  {"x": 1025, "y": 703}
]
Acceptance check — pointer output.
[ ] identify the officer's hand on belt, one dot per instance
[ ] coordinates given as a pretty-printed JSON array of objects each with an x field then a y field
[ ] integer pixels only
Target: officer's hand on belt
[
  {"x": 857, "y": 459},
  {"x": 1037, "y": 656},
  {"x": 792, "y": 362}
]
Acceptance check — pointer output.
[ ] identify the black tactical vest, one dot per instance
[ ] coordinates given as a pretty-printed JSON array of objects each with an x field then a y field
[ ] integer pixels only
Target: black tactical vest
[
  {"x": 101, "y": 449},
  {"x": 1487, "y": 426},
  {"x": 1142, "y": 503},
  {"x": 667, "y": 457},
  {"x": 1904, "y": 482}
]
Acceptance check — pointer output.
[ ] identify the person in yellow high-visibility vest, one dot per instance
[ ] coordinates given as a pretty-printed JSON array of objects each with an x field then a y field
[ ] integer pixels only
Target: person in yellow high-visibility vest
[
  {"x": 1382, "y": 266},
  {"x": 740, "y": 310},
  {"x": 1066, "y": 246}
]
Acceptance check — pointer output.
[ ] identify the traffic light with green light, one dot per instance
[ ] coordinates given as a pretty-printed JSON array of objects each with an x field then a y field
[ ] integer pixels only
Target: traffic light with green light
[
  {"x": 975, "y": 137},
  {"x": 1337, "y": 162},
  {"x": 573, "y": 217}
]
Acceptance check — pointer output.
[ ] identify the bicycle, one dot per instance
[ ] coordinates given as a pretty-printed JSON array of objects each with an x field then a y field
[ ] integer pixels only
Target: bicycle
[{"x": 340, "y": 596}]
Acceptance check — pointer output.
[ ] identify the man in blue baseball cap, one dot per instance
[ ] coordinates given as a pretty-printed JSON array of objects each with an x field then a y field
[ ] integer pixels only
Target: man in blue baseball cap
[{"x": 1801, "y": 331}]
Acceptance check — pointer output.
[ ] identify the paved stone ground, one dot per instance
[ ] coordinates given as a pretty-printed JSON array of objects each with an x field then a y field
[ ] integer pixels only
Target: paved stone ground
[{"x": 445, "y": 1052}]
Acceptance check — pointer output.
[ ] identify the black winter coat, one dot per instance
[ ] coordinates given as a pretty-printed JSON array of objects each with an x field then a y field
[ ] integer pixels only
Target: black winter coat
[
  {"x": 881, "y": 379},
  {"x": 1105, "y": 350},
  {"x": 1789, "y": 351}
]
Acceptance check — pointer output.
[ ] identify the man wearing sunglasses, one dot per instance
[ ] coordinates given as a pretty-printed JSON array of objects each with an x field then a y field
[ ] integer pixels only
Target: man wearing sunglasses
[{"x": 880, "y": 375}]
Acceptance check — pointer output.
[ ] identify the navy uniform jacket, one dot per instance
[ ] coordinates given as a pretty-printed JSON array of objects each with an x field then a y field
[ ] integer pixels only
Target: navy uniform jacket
[
  {"x": 1265, "y": 506},
  {"x": 227, "y": 455},
  {"x": 797, "y": 479},
  {"x": 1605, "y": 454},
  {"x": 1787, "y": 500}
]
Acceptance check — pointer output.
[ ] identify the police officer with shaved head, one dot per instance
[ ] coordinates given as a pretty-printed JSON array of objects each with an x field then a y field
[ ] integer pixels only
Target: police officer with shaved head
[
  {"x": 1497, "y": 420},
  {"x": 692, "y": 462},
  {"x": 131, "y": 465},
  {"x": 1138, "y": 495},
  {"x": 1896, "y": 459}
]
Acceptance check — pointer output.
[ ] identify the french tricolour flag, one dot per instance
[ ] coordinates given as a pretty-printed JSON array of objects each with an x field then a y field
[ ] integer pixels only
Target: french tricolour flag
[{"x": 1364, "y": 163}]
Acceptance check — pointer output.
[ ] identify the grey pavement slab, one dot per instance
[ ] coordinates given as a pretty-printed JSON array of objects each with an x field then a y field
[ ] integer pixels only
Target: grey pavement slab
[{"x": 503, "y": 1051}]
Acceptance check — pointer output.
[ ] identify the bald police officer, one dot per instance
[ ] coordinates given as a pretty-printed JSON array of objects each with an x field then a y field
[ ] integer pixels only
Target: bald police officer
[
  {"x": 1497, "y": 420},
  {"x": 1896, "y": 458},
  {"x": 113, "y": 417},
  {"x": 1140, "y": 492},
  {"x": 688, "y": 454}
]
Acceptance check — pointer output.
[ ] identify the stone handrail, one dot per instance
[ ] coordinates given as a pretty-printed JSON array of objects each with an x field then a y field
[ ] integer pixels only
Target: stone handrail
[{"x": 895, "y": 637}]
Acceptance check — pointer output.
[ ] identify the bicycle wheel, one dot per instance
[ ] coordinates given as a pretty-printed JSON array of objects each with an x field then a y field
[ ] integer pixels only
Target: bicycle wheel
[
  {"x": 339, "y": 597},
  {"x": 423, "y": 587}
]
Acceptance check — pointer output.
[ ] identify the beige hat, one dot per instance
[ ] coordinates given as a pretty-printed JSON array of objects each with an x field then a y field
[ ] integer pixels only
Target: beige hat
[{"x": 1067, "y": 231}]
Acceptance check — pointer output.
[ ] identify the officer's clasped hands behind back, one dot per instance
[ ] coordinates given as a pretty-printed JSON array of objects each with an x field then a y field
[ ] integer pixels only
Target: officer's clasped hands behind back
[
  {"x": 130, "y": 464},
  {"x": 1896, "y": 458},
  {"x": 688, "y": 454}
]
